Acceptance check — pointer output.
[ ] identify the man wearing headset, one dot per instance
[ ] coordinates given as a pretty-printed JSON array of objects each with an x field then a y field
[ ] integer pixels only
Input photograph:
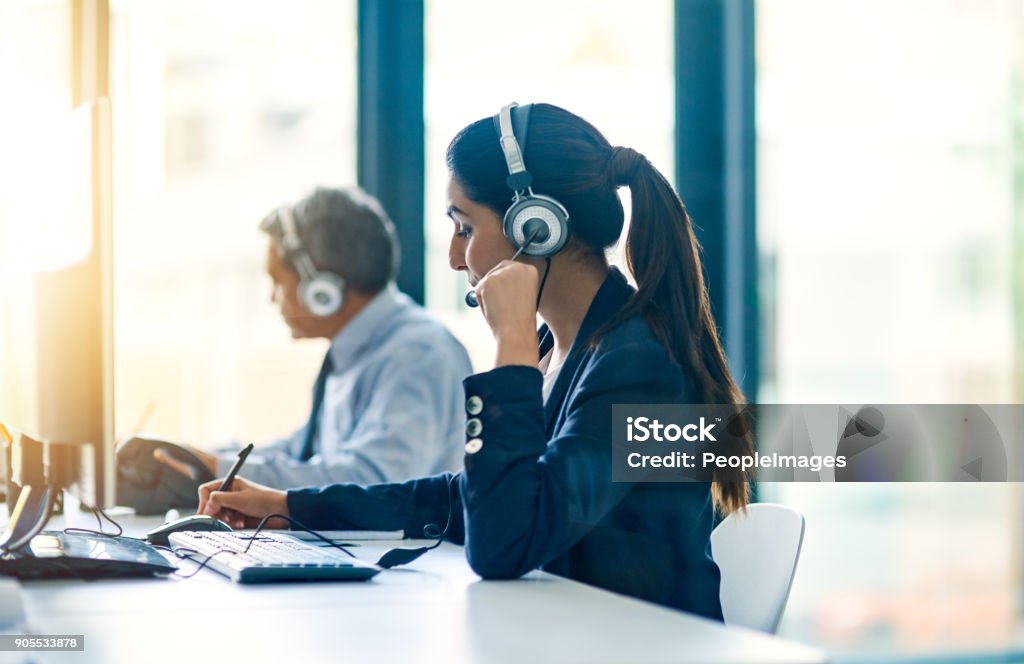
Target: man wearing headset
[{"x": 387, "y": 403}]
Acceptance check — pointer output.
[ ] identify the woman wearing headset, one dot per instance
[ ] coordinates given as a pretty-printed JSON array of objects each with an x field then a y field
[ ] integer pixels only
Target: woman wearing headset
[{"x": 536, "y": 490}]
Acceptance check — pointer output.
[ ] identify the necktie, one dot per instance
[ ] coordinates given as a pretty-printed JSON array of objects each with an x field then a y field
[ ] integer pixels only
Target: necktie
[{"x": 318, "y": 400}]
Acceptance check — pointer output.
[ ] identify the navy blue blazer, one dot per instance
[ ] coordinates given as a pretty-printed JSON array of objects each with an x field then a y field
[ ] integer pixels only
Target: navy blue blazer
[{"x": 538, "y": 490}]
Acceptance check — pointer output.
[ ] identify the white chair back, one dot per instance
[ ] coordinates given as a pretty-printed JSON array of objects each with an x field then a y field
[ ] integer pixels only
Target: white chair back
[{"x": 757, "y": 553}]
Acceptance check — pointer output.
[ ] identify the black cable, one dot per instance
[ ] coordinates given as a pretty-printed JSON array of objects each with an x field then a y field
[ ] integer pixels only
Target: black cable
[
  {"x": 396, "y": 557},
  {"x": 120, "y": 530},
  {"x": 293, "y": 522},
  {"x": 544, "y": 280},
  {"x": 202, "y": 564},
  {"x": 96, "y": 511}
]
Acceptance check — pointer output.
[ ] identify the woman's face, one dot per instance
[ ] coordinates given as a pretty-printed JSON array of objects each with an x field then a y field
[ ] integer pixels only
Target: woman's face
[{"x": 478, "y": 243}]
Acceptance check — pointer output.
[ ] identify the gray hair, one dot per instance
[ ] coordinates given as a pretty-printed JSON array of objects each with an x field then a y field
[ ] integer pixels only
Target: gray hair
[{"x": 344, "y": 231}]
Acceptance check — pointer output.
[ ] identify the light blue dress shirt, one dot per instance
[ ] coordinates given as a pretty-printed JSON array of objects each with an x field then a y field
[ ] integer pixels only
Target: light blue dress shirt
[{"x": 393, "y": 405}]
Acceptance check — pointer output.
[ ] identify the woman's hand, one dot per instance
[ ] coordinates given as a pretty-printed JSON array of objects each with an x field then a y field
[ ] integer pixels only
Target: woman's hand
[
  {"x": 508, "y": 299},
  {"x": 245, "y": 505}
]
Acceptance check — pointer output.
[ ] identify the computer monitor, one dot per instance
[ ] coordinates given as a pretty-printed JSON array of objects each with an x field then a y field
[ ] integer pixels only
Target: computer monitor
[{"x": 74, "y": 315}]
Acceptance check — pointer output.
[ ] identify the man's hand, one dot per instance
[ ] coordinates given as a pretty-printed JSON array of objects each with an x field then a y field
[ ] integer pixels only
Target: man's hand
[
  {"x": 245, "y": 505},
  {"x": 209, "y": 460}
]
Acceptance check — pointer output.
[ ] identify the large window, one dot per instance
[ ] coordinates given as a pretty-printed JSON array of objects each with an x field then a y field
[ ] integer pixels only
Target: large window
[
  {"x": 612, "y": 67},
  {"x": 222, "y": 111},
  {"x": 890, "y": 201}
]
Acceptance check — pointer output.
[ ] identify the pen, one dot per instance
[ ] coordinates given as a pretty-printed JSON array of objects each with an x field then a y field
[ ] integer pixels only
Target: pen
[{"x": 226, "y": 484}]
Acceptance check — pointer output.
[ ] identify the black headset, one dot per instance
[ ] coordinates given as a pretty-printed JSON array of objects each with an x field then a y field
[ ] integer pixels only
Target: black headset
[
  {"x": 535, "y": 225},
  {"x": 321, "y": 291}
]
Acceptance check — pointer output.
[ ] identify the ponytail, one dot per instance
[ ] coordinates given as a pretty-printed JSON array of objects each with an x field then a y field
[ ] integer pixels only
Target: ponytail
[{"x": 663, "y": 255}]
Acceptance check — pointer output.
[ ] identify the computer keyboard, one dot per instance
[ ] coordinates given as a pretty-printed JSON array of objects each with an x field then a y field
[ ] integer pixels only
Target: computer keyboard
[{"x": 272, "y": 557}]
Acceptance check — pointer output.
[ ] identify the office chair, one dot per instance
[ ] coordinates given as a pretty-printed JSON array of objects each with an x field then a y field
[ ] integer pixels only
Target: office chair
[{"x": 757, "y": 553}]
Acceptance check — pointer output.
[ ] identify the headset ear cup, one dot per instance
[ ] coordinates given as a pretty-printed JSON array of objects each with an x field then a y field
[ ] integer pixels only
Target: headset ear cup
[
  {"x": 323, "y": 295},
  {"x": 547, "y": 210}
]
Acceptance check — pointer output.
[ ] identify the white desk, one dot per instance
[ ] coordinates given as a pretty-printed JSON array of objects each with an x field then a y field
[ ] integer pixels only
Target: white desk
[{"x": 434, "y": 610}]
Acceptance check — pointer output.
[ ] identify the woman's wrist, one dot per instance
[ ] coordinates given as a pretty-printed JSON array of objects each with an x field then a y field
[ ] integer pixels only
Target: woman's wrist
[
  {"x": 282, "y": 503},
  {"x": 517, "y": 348}
]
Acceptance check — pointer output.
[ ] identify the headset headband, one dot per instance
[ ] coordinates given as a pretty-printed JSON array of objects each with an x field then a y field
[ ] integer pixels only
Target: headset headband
[
  {"x": 511, "y": 122},
  {"x": 292, "y": 244}
]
